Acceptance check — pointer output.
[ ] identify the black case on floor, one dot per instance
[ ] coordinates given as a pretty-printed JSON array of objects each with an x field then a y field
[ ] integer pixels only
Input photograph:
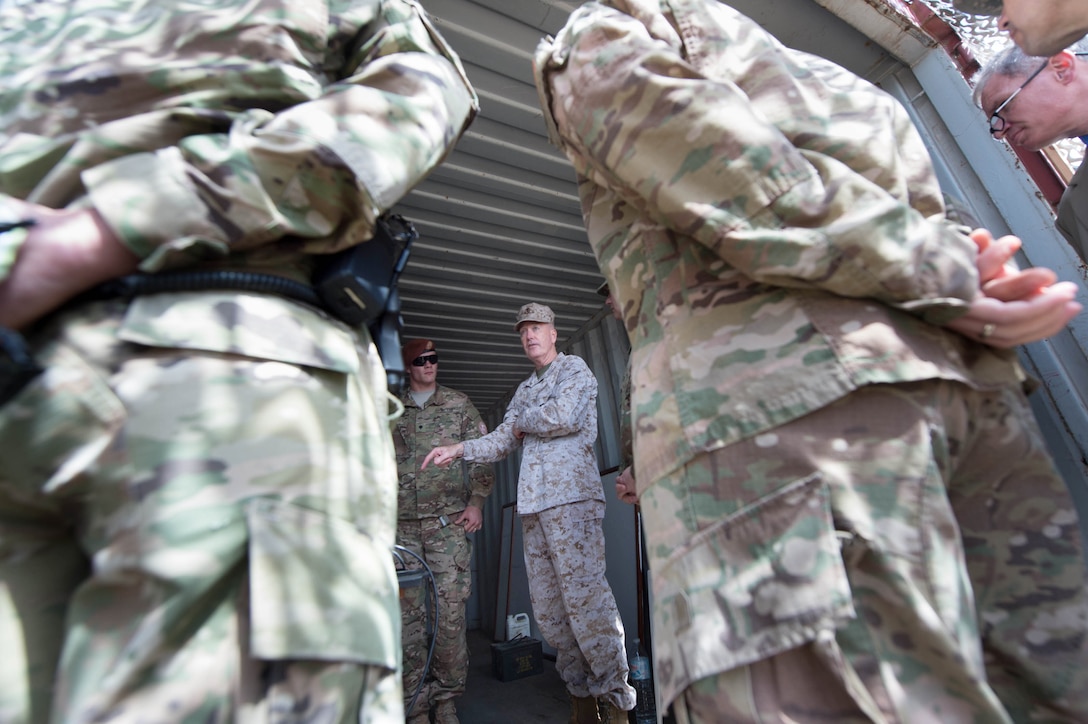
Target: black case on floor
[{"x": 517, "y": 658}]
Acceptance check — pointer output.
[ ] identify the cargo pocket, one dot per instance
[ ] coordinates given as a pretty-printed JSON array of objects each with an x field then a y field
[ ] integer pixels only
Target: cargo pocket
[
  {"x": 765, "y": 580},
  {"x": 319, "y": 588}
]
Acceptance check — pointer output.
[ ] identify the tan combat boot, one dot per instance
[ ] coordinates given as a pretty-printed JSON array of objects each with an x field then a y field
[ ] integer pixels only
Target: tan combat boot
[
  {"x": 445, "y": 712},
  {"x": 612, "y": 714},
  {"x": 583, "y": 710}
]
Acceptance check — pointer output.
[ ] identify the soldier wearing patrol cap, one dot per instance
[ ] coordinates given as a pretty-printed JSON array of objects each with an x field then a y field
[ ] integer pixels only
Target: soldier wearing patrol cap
[
  {"x": 1040, "y": 27},
  {"x": 553, "y": 418}
]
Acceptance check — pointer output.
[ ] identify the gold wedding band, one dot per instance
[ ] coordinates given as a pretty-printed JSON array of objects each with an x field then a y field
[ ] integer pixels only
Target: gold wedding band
[{"x": 988, "y": 330}]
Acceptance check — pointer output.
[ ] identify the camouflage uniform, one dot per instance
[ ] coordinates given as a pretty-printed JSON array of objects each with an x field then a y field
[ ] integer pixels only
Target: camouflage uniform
[
  {"x": 561, "y": 505},
  {"x": 627, "y": 435},
  {"x": 849, "y": 510},
  {"x": 427, "y": 503},
  {"x": 197, "y": 497},
  {"x": 1072, "y": 218}
]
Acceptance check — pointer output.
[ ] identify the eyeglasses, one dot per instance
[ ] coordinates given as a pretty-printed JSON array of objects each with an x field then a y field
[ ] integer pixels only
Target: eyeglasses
[
  {"x": 997, "y": 123},
  {"x": 425, "y": 359}
]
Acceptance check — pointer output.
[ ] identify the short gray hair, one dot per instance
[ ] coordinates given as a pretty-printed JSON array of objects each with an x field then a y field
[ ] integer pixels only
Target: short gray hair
[{"x": 1014, "y": 63}]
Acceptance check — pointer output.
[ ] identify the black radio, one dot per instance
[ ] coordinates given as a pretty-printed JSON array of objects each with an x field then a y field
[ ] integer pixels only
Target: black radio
[{"x": 359, "y": 286}]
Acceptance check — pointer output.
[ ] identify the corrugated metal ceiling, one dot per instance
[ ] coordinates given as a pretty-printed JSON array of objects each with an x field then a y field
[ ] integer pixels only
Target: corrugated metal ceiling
[{"x": 500, "y": 223}]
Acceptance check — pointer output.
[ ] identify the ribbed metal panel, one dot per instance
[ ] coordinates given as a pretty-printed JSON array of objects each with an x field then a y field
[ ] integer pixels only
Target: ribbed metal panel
[{"x": 499, "y": 222}]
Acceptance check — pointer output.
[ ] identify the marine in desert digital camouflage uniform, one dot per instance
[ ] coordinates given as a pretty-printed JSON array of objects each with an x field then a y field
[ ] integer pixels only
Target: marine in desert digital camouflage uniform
[
  {"x": 850, "y": 512},
  {"x": 197, "y": 495},
  {"x": 436, "y": 509},
  {"x": 552, "y": 417}
]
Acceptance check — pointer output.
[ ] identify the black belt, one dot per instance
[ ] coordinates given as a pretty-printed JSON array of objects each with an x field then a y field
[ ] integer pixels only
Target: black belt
[
  {"x": 135, "y": 285},
  {"x": 385, "y": 329}
]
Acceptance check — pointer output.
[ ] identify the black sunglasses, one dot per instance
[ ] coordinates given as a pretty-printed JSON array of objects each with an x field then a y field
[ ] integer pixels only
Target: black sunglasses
[{"x": 423, "y": 359}]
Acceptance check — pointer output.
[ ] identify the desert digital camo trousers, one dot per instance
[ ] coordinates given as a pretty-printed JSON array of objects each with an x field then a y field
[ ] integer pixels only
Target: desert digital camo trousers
[
  {"x": 572, "y": 602},
  {"x": 196, "y": 536},
  {"x": 448, "y": 553},
  {"x": 907, "y": 554}
]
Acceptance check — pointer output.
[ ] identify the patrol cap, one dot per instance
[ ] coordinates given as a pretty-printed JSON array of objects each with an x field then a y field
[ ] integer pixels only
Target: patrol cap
[
  {"x": 533, "y": 312},
  {"x": 414, "y": 348},
  {"x": 603, "y": 290},
  {"x": 978, "y": 7}
]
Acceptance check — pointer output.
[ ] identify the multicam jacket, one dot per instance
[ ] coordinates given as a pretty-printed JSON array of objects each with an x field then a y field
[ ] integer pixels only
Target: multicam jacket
[
  {"x": 267, "y": 147},
  {"x": 1072, "y": 219},
  {"x": 557, "y": 411},
  {"x": 448, "y": 417},
  {"x": 770, "y": 250},
  {"x": 254, "y": 135}
]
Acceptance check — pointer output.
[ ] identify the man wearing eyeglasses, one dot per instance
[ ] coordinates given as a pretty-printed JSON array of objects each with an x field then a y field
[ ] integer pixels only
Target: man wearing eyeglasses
[
  {"x": 436, "y": 509},
  {"x": 1033, "y": 102},
  {"x": 1040, "y": 27}
]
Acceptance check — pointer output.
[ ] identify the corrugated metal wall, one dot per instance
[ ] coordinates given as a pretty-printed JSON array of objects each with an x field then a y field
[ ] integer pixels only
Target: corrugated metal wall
[{"x": 499, "y": 222}]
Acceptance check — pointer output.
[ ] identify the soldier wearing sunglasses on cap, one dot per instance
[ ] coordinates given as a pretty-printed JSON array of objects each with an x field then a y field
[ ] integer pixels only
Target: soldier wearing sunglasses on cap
[
  {"x": 1040, "y": 27},
  {"x": 1034, "y": 102},
  {"x": 436, "y": 509}
]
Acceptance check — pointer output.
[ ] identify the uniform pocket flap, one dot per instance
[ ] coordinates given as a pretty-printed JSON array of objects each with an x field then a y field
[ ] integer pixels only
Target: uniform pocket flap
[
  {"x": 766, "y": 579},
  {"x": 320, "y": 589},
  {"x": 260, "y": 326}
]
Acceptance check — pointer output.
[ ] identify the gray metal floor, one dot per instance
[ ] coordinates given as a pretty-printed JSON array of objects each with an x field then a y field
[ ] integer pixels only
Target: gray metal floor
[{"x": 537, "y": 699}]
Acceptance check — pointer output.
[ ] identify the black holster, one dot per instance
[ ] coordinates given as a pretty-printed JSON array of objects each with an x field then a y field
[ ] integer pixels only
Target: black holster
[{"x": 359, "y": 286}]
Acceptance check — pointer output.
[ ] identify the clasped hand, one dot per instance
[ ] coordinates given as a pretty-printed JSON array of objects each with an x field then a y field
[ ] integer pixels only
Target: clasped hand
[{"x": 1014, "y": 307}]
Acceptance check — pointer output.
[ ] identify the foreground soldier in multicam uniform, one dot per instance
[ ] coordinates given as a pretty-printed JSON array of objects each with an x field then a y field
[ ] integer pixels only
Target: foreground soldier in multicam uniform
[
  {"x": 436, "y": 508},
  {"x": 849, "y": 509},
  {"x": 553, "y": 419},
  {"x": 197, "y": 495}
]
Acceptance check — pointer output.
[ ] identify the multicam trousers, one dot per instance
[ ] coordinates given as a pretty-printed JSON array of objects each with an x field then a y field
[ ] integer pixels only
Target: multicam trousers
[
  {"x": 194, "y": 535},
  {"x": 573, "y": 603},
  {"x": 905, "y": 555},
  {"x": 448, "y": 553}
]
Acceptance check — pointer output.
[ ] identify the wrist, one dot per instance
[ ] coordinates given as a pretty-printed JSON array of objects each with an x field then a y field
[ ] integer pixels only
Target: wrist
[{"x": 106, "y": 257}]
